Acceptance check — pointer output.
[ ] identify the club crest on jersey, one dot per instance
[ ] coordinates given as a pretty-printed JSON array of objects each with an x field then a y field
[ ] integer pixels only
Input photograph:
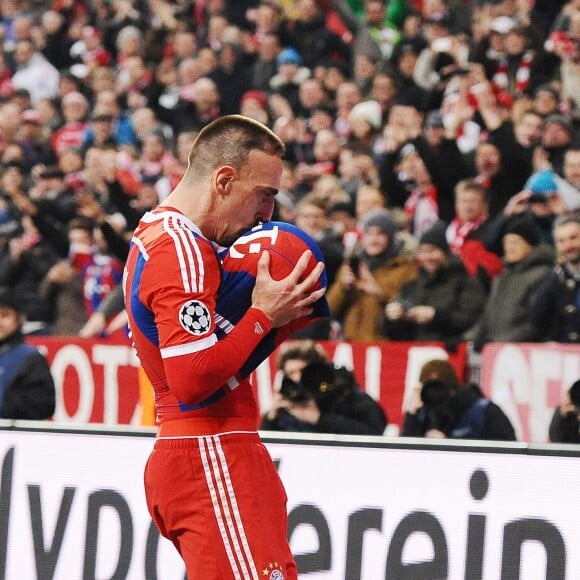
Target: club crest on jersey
[
  {"x": 194, "y": 317},
  {"x": 273, "y": 572}
]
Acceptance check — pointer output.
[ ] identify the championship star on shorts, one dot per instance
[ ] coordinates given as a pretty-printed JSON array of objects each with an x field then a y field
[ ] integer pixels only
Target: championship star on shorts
[
  {"x": 194, "y": 317},
  {"x": 273, "y": 571}
]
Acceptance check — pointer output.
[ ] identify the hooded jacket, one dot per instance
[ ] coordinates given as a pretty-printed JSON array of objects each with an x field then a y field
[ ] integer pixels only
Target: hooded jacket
[{"x": 507, "y": 313}]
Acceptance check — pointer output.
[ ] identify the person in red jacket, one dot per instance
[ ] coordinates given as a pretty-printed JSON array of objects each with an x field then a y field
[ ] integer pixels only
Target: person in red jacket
[{"x": 467, "y": 231}]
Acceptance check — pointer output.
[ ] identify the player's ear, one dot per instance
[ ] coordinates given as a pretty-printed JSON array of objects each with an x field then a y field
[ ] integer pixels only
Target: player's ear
[{"x": 223, "y": 179}]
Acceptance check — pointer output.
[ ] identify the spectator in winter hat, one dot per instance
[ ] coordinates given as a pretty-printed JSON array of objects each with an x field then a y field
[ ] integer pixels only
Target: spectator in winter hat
[
  {"x": 558, "y": 137},
  {"x": 289, "y": 55},
  {"x": 541, "y": 185},
  {"x": 444, "y": 301},
  {"x": 506, "y": 317},
  {"x": 524, "y": 228},
  {"x": 254, "y": 104},
  {"x": 365, "y": 121},
  {"x": 286, "y": 82},
  {"x": 539, "y": 201},
  {"x": 371, "y": 276}
]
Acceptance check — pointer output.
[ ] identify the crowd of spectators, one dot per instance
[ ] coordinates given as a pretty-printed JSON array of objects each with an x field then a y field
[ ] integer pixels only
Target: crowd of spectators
[{"x": 431, "y": 146}]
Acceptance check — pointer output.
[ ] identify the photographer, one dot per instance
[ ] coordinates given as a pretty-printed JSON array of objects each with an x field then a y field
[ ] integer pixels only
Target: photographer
[
  {"x": 318, "y": 397},
  {"x": 565, "y": 423},
  {"x": 442, "y": 408}
]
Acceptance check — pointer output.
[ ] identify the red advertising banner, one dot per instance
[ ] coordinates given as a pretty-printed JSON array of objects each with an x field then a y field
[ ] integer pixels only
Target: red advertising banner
[
  {"x": 527, "y": 380},
  {"x": 97, "y": 380}
]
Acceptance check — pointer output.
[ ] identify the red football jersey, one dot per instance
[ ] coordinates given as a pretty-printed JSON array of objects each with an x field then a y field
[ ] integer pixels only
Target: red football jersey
[{"x": 171, "y": 281}]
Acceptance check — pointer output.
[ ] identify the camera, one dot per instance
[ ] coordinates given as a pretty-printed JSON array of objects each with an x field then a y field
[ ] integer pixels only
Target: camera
[
  {"x": 354, "y": 263},
  {"x": 293, "y": 391},
  {"x": 538, "y": 198},
  {"x": 436, "y": 397},
  {"x": 406, "y": 305}
]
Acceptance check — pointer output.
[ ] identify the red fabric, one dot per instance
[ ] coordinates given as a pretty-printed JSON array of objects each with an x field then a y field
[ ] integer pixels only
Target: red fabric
[
  {"x": 457, "y": 231},
  {"x": 474, "y": 254},
  {"x": 69, "y": 135},
  {"x": 173, "y": 265},
  {"x": 220, "y": 500}
]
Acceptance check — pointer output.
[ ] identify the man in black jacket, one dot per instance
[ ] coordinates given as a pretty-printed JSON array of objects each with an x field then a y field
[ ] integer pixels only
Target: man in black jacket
[
  {"x": 26, "y": 384},
  {"x": 443, "y": 408},
  {"x": 555, "y": 306},
  {"x": 318, "y": 397}
]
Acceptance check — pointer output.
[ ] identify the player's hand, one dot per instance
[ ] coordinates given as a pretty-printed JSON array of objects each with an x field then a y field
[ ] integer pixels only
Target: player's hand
[{"x": 285, "y": 300}]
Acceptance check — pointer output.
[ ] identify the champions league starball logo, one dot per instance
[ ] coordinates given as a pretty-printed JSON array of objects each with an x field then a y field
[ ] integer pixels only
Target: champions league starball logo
[{"x": 194, "y": 317}]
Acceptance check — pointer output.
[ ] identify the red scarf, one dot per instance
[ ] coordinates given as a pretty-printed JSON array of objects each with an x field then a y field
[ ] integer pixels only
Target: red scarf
[
  {"x": 422, "y": 208},
  {"x": 458, "y": 231},
  {"x": 501, "y": 81}
]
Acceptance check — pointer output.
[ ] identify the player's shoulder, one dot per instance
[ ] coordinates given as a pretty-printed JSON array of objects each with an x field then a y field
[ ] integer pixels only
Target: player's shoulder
[{"x": 165, "y": 230}]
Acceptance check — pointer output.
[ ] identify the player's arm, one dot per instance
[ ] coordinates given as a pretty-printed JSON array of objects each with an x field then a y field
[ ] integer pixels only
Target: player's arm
[{"x": 196, "y": 363}]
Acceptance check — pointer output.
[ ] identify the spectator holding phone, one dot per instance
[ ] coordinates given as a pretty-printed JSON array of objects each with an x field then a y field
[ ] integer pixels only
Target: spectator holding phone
[
  {"x": 539, "y": 201},
  {"x": 443, "y": 302},
  {"x": 370, "y": 277}
]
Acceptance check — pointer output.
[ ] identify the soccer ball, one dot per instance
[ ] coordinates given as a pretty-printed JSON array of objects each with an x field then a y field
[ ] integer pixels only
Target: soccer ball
[{"x": 285, "y": 242}]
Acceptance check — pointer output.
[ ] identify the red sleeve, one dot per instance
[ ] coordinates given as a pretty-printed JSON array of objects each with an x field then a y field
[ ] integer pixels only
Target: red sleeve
[
  {"x": 194, "y": 377},
  {"x": 196, "y": 363}
]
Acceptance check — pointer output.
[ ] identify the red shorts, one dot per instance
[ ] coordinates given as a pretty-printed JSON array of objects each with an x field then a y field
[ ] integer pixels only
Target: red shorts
[{"x": 219, "y": 499}]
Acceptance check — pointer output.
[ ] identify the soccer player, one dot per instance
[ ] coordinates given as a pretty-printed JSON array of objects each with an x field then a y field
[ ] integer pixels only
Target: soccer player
[{"x": 210, "y": 484}]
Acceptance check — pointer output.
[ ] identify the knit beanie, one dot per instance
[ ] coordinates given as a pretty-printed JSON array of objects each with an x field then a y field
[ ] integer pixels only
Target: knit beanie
[
  {"x": 369, "y": 111},
  {"x": 543, "y": 182},
  {"x": 435, "y": 236},
  {"x": 439, "y": 370},
  {"x": 380, "y": 218},
  {"x": 524, "y": 227},
  {"x": 8, "y": 299}
]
